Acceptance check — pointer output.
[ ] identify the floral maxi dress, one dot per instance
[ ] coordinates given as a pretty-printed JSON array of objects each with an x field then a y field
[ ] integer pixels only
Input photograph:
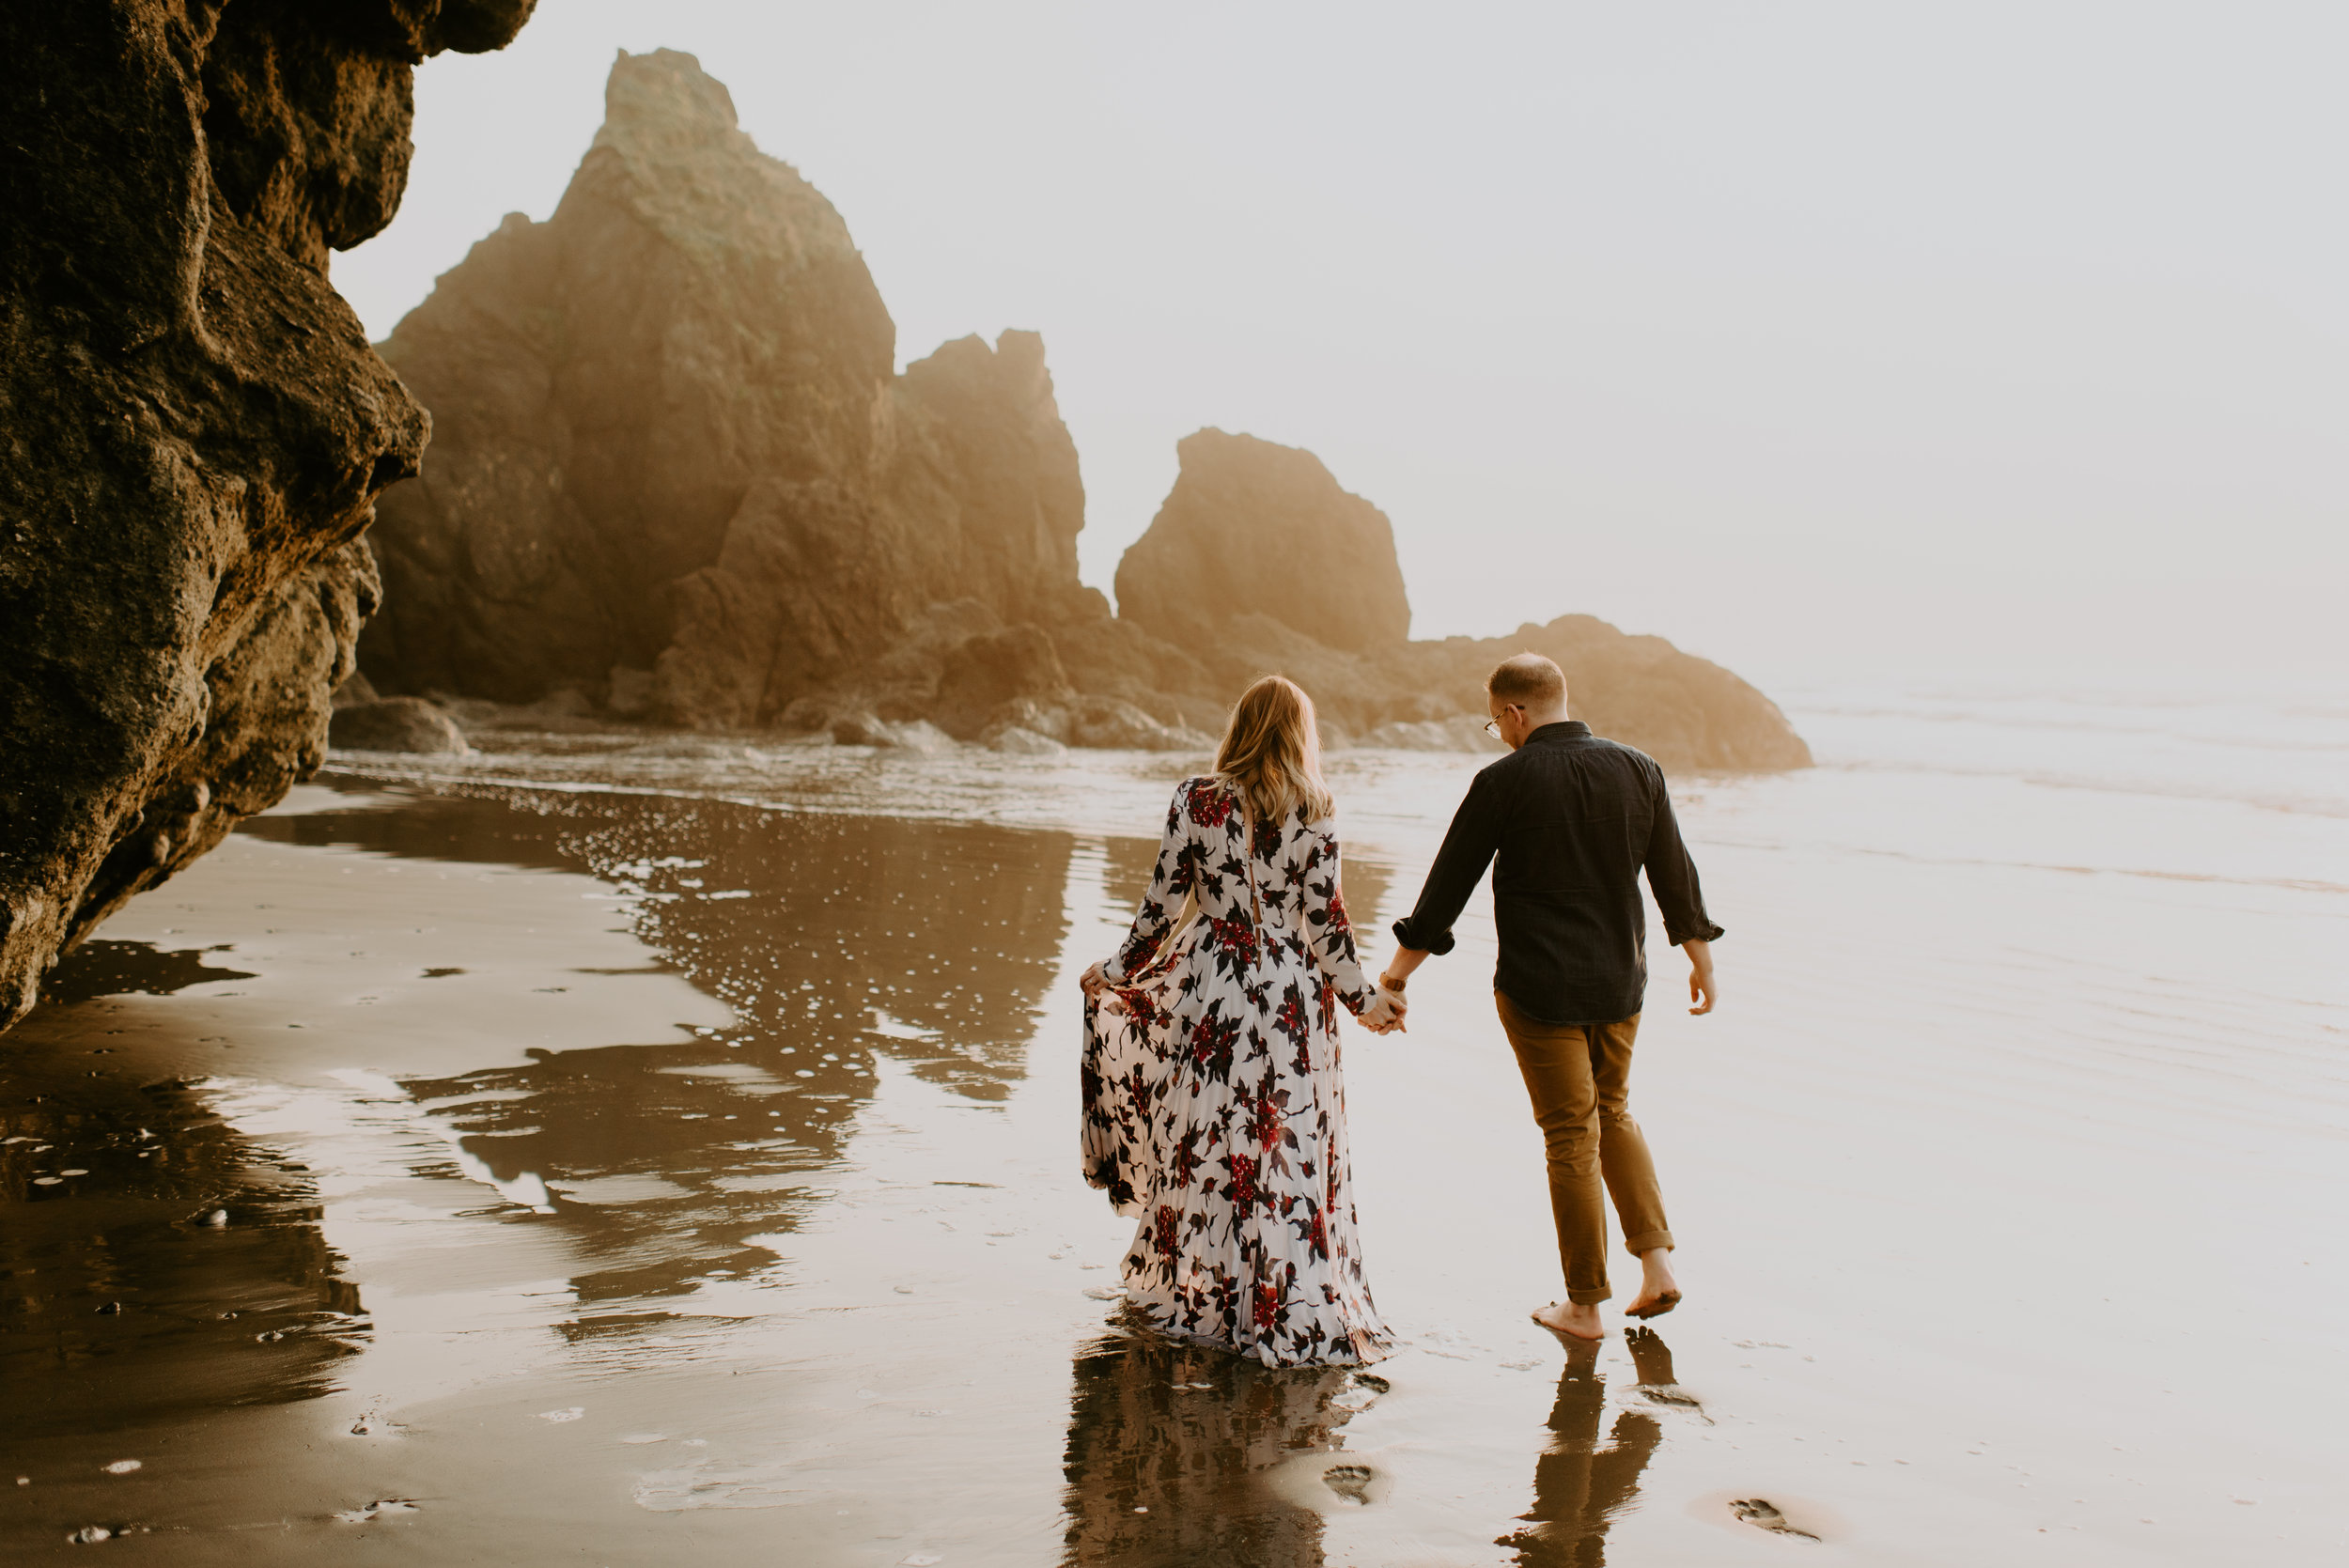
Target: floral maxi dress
[{"x": 1214, "y": 1109}]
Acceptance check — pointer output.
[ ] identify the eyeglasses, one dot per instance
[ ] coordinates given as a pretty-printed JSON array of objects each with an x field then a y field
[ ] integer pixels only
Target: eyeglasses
[{"x": 1492, "y": 727}]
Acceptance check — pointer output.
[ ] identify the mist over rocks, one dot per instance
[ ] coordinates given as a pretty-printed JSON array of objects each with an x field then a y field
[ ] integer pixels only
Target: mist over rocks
[
  {"x": 1259, "y": 560},
  {"x": 193, "y": 427},
  {"x": 674, "y": 479},
  {"x": 670, "y": 441},
  {"x": 1255, "y": 528}
]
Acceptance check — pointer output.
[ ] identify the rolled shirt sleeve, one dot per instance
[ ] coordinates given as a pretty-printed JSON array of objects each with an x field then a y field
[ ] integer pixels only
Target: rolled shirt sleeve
[
  {"x": 1671, "y": 875},
  {"x": 1468, "y": 846}
]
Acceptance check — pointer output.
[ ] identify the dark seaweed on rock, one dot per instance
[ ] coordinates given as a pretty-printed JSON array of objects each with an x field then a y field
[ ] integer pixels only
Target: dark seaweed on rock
[{"x": 192, "y": 429}]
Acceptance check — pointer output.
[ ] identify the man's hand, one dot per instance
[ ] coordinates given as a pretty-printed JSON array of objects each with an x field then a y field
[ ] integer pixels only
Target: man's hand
[{"x": 1702, "y": 991}]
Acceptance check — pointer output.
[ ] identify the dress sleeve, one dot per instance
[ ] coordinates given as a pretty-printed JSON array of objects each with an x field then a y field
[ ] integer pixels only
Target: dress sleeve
[
  {"x": 1326, "y": 930},
  {"x": 1178, "y": 864}
]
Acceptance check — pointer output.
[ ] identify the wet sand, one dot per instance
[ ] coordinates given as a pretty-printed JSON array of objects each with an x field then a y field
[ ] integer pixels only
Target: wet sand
[{"x": 612, "y": 1176}]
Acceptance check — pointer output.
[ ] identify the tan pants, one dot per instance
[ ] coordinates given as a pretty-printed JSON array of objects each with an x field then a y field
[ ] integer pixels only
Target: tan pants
[{"x": 1579, "y": 1075}]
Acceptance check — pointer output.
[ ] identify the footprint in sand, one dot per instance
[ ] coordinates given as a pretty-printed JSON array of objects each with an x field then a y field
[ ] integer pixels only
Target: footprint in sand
[
  {"x": 1653, "y": 1359},
  {"x": 1763, "y": 1514},
  {"x": 1350, "y": 1482}
]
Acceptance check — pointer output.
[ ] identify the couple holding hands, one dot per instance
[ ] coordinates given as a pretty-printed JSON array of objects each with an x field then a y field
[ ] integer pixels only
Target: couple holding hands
[{"x": 1214, "y": 1107}]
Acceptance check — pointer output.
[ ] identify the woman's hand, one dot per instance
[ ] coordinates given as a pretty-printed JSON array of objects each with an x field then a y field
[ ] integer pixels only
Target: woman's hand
[
  {"x": 1384, "y": 1016},
  {"x": 1094, "y": 980}
]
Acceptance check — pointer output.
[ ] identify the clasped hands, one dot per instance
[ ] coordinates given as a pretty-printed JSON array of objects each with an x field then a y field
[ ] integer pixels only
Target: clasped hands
[{"x": 1384, "y": 1016}]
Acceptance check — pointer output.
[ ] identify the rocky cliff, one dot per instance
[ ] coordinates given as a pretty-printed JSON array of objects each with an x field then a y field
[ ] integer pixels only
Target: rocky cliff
[
  {"x": 1259, "y": 560},
  {"x": 192, "y": 429},
  {"x": 674, "y": 476},
  {"x": 669, "y": 437},
  {"x": 1255, "y": 529}
]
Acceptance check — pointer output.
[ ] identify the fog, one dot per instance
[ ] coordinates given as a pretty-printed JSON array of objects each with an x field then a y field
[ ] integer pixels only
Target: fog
[{"x": 1990, "y": 339}]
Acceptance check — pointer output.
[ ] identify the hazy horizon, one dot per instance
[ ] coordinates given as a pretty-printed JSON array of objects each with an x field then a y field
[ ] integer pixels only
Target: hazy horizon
[{"x": 1818, "y": 339}]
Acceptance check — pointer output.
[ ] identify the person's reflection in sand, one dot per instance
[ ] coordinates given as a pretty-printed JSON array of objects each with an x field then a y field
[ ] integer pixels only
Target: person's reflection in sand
[
  {"x": 1581, "y": 1487},
  {"x": 1171, "y": 1450}
]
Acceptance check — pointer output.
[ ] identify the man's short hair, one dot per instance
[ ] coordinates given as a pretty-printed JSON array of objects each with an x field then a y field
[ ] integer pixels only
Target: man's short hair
[{"x": 1529, "y": 680}]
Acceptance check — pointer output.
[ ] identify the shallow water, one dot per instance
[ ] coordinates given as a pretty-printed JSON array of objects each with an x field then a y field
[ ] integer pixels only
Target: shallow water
[{"x": 600, "y": 1150}]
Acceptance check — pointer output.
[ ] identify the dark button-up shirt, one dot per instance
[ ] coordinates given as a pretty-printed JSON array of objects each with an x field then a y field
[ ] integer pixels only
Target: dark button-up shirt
[{"x": 1573, "y": 819}]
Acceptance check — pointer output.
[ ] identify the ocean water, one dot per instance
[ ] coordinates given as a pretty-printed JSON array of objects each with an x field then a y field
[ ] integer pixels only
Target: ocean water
[{"x": 603, "y": 1147}]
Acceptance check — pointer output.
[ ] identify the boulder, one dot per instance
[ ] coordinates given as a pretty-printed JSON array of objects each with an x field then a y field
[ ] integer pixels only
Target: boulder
[
  {"x": 357, "y": 690},
  {"x": 804, "y": 716},
  {"x": 629, "y": 694},
  {"x": 1255, "y": 528},
  {"x": 920, "y": 737},
  {"x": 194, "y": 432},
  {"x": 984, "y": 672},
  {"x": 859, "y": 729},
  {"x": 669, "y": 436},
  {"x": 1111, "y": 724},
  {"x": 395, "y": 724},
  {"x": 1051, "y": 722},
  {"x": 1014, "y": 742}
]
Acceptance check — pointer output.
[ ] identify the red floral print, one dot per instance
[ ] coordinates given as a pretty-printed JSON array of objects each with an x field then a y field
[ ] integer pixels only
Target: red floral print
[
  {"x": 1214, "y": 1107},
  {"x": 1268, "y": 1308},
  {"x": 1264, "y": 1125},
  {"x": 1243, "y": 1186},
  {"x": 1210, "y": 804}
]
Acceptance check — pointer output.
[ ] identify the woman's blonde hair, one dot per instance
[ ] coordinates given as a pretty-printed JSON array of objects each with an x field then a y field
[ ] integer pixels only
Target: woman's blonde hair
[{"x": 1271, "y": 752}]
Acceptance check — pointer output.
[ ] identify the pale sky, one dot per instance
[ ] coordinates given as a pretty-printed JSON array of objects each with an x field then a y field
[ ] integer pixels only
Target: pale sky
[{"x": 1817, "y": 337}]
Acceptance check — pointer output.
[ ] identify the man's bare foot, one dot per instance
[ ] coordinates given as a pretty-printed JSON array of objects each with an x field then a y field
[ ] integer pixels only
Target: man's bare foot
[
  {"x": 1660, "y": 1293},
  {"x": 1578, "y": 1320}
]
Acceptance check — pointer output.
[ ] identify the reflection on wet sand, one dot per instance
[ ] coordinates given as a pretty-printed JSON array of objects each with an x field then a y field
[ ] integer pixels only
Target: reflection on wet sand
[
  {"x": 1177, "y": 1456},
  {"x": 648, "y": 1160},
  {"x": 1581, "y": 1487},
  {"x": 155, "y": 1264},
  {"x": 833, "y": 938}
]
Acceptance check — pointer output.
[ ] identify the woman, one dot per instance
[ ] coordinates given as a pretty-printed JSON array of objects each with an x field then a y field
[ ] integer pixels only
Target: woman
[{"x": 1214, "y": 1109}]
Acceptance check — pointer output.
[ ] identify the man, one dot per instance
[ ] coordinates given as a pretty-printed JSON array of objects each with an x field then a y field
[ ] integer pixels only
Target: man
[{"x": 1573, "y": 819}]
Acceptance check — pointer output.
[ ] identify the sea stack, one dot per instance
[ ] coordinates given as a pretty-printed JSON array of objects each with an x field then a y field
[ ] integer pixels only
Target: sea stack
[
  {"x": 192, "y": 429},
  {"x": 1255, "y": 528},
  {"x": 669, "y": 437}
]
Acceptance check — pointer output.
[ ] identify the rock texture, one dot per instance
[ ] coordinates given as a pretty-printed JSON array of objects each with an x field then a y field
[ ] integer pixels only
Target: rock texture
[
  {"x": 192, "y": 429},
  {"x": 395, "y": 724},
  {"x": 1262, "y": 538},
  {"x": 674, "y": 479},
  {"x": 670, "y": 444},
  {"x": 1255, "y": 529}
]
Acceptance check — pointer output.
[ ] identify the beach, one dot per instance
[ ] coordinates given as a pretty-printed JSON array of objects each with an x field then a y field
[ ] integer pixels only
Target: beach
[{"x": 611, "y": 1146}]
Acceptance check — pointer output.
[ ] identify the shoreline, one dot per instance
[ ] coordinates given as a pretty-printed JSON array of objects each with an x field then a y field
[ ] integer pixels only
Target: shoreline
[{"x": 875, "y": 1299}]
